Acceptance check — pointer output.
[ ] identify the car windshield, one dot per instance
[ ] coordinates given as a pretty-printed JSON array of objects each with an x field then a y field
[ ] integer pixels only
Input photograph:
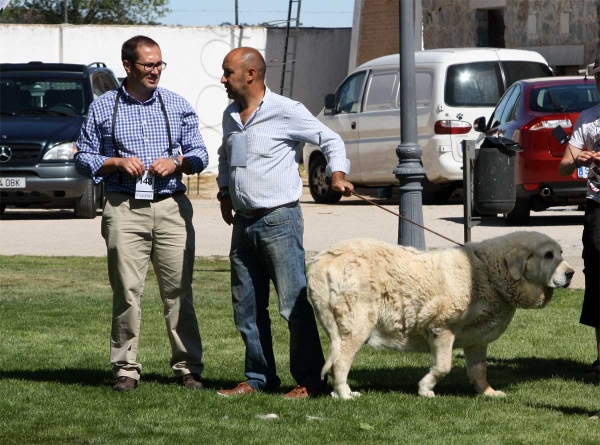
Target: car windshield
[
  {"x": 568, "y": 98},
  {"x": 41, "y": 94}
]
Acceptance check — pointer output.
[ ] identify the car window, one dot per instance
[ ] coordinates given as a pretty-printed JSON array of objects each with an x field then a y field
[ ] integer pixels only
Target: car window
[
  {"x": 97, "y": 88},
  {"x": 569, "y": 98},
  {"x": 380, "y": 91},
  {"x": 518, "y": 70},
  {"x": 513, "y": 98},
  {"x": 497, "y": 113},
  {"x": 348, "y": 94},
  {"x": 476, "y": 84},
  {"x": 108, "y": 81},
  {"x": 424, "y": 84},
  {"x": 101, "y": 83}
]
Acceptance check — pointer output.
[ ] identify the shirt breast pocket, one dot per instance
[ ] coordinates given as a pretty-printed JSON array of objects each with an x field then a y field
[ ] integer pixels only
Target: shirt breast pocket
[{"x": 237, "y": 149}]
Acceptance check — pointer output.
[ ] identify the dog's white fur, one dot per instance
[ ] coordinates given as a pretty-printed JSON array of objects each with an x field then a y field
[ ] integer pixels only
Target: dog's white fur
[{"x": 367, "y": 291}]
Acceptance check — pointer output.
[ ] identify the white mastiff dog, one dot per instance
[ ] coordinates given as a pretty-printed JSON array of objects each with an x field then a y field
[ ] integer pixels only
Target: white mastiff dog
[{"x": 367, "y": 291}]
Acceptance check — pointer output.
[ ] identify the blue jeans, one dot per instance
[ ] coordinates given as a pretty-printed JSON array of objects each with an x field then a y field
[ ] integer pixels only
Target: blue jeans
[{"x": 263, "y": 249}]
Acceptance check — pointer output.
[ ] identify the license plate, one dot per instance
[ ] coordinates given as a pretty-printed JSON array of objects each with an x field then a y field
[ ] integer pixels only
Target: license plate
[
  {"x": 582, "y": 172},
  {"x": 12, "y": 183}
]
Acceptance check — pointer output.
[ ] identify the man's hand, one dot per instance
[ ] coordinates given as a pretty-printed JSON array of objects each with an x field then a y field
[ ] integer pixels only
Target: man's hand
[
  {"x": 587, "y": 158},
  {"x": 131, "y": 166},
  {"x": 339, "y": 184},
  {"x": 162, "y": 167},
  {"x": 227, "y": 209}
]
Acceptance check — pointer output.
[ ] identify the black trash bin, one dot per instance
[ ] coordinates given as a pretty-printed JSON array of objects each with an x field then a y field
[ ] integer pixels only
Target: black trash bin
[{"x": 494, "y": 176}]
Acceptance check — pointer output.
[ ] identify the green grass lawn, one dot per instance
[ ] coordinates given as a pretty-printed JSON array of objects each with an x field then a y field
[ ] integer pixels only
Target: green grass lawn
[{"x": 55, "y": 375}]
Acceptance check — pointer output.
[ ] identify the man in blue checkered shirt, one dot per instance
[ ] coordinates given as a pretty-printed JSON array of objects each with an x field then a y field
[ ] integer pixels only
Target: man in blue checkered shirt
[
  {"x": 137, "y": 141},
  {"x": 260, "y": 182}
]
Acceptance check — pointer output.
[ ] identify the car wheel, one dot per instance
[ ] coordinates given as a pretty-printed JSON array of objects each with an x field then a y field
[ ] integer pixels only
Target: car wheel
[
  {"x": 320, "y": 185},
  {"x": 519, "y": 215},
  {"x": 85, "y": 207}
]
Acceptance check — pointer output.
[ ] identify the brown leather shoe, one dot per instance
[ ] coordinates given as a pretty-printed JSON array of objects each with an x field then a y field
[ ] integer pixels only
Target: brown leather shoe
[
  {"x": 191, "y": 381},
  {"x": 123, "y": 384},
  {"x": 303, "y": 392},
  {"x": 241, "y": 390}
]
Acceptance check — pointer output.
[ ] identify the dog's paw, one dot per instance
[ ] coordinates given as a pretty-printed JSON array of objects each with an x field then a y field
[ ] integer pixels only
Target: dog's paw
[
  {"x": 494, "y": 393},
  {"x": 348, "y": 396},
  {"x": 426, "y": 393}
]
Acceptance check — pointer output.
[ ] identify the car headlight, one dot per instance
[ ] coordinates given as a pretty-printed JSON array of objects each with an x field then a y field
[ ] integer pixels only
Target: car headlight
[{"x": 61, "y": 152}]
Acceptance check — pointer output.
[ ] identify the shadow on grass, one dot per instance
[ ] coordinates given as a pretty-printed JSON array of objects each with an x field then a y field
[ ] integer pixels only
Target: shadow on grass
[
  {"x": 96, "y": 377},
  {"x": 566, "y": 410},
  {"x": 73, "y": 376},
  {"x": 502, "y": 374}
]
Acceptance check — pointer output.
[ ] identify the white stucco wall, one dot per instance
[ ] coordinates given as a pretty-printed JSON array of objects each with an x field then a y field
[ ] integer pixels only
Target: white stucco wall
[{"x": 193, "y": 54}]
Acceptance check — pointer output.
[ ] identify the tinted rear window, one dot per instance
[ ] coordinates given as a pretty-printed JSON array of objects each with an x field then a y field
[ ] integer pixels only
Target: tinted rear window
[
  {"x": 514, "y": 71},
  {"x": 476, "y": 84},
  {"x": 568, "y": 98},
  {"x": 479, "y": 84}
]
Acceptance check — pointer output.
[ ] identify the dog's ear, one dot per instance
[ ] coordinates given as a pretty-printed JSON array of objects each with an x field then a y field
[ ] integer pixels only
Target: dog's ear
[
  {"x": 516, "y": 261},
  {"x": 480, "y": 255}
]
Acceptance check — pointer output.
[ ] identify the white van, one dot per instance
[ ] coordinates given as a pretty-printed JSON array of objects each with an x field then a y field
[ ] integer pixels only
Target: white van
[{"x": 454, "y": 87}]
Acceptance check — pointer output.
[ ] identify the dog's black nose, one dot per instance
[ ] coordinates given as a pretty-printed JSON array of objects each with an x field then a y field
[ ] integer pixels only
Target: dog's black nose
[{"x": 570, "y": 273}]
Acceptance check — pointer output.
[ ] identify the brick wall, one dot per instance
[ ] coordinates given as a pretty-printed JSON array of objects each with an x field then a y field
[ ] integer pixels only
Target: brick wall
[{"x": 379, "y": 34}]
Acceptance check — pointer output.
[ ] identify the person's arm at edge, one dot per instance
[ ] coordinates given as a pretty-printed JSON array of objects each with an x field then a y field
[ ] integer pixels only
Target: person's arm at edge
[
  {"x": 569, "y": 162},
  {"x": 223, "y": 179}
]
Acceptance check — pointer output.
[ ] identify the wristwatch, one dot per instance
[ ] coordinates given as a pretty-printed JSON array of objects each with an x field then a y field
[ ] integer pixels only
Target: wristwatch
[
  {"x": 222, "y": 194},
  {"x": 176, "y": 160}
]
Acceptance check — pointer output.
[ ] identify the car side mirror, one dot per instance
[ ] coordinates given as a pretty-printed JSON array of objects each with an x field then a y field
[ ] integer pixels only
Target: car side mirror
[
  {"x": 479, "y": 124},
  {"x": 330, "y": 102}
]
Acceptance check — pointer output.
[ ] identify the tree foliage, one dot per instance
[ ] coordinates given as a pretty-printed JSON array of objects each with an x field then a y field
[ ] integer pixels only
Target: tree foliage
[{"x": 86, "y": 12}]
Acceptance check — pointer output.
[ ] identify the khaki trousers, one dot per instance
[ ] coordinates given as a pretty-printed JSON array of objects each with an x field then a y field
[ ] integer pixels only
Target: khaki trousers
[{"x": 137, "y": 232}]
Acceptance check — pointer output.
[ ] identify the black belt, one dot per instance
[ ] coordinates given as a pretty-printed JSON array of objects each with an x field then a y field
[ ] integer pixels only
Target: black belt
[
  {"x": 259, "y": 213},
  {"x": 157, "y": 197}
]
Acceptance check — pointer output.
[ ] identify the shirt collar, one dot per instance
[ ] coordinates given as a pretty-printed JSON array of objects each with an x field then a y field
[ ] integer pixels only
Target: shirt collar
[
  {"x": 132, "y": 99},
  {"x": 234, "y": 112}
]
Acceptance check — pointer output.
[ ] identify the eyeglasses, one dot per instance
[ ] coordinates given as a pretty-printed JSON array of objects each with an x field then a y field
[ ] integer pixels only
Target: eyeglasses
[{"x": 150, "y": 66}]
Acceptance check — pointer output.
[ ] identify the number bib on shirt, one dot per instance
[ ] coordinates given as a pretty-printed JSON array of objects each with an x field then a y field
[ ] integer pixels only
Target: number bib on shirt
[{"x": 144, "y": 187}]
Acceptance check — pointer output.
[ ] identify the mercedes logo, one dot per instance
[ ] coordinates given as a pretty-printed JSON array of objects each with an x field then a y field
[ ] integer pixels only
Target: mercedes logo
[{"x": 5, "y": 153}]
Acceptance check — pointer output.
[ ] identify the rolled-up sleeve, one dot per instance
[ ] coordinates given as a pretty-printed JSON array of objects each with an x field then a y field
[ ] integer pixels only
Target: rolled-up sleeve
[
  {"x": 192, "y": 144},
  {"x": 303, "y": 126},
  {"x": 88, "y": 158}
]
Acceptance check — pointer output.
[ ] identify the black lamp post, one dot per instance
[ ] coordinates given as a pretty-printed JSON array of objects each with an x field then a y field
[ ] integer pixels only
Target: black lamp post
[{"x": 410, "y": 171}]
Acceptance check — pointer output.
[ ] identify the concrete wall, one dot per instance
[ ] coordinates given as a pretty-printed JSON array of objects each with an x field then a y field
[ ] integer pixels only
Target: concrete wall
[
  {"x": 321, "y": 63},
  {"x": 194, "y": 56}
]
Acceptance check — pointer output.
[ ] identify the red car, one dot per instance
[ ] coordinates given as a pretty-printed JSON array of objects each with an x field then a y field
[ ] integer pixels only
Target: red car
[{"x": 527, "y": 113}]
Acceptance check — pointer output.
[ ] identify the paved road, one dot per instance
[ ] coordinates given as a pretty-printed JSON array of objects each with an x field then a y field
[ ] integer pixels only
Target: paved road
[{"x": 49, "y": 232}]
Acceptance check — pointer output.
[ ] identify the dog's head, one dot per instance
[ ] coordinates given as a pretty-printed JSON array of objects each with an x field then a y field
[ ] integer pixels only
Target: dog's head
[{"x": 534, "y": 267}]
